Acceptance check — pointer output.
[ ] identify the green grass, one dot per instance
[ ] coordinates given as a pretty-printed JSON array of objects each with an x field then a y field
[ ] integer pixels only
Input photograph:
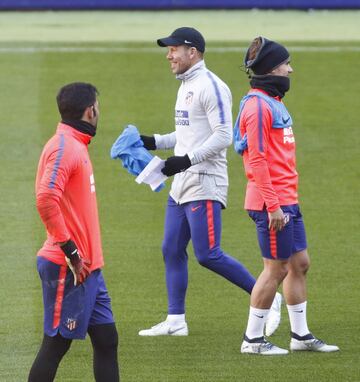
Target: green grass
[
  {"x": 137, "y": 87},
  {"x": 217, "y": 25}
]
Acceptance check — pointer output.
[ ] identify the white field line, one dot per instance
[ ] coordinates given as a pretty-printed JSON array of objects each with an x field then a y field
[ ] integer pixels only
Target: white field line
[{"x": 98, "y": 49}]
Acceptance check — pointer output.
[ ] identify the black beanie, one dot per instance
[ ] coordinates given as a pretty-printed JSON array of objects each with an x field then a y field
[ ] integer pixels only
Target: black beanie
[{"x": 269, "y": 56}]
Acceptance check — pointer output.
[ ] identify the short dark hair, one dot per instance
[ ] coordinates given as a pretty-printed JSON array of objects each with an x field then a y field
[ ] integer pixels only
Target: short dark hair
[{"x": 74, "y": 98}]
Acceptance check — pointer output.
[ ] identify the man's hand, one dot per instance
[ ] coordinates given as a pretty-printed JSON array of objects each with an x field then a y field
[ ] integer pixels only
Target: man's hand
[
  {"x": 149, "y": 142},
  {"x": 277, "y": 220},
  {"x": 173, "y": 165},
  {"x": 78, "y": 266}
]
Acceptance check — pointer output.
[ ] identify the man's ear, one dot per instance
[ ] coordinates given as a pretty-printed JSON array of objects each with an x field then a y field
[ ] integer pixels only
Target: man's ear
[
  {"x": 91, "y": 112},
  {"x": 88, "y": 113},
  {"x": 193, "y": 52}
]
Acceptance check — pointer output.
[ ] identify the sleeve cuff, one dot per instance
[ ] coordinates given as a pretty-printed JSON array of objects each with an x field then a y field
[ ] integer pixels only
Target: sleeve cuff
[
  {"x": 157, "y": 140},
  {"x": 273, "y": 208},
  {"x": 191, "y": 157}
]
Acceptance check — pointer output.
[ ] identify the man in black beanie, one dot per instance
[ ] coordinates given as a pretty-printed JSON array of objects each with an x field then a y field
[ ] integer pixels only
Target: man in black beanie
[
  {"x": 269, "y": 63},
  {"x": 264, "y": 137}
]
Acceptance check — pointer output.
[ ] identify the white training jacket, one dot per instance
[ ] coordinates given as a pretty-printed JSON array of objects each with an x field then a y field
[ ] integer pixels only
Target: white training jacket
[{"x": 203, "y": 130}]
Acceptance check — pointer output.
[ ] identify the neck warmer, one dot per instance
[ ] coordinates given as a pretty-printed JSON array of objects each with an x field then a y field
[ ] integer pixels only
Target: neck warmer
[
  {"x": 82, "y": 126},
  {"x": 276, "y": 86},
  {"x": 193, "y": 72}
]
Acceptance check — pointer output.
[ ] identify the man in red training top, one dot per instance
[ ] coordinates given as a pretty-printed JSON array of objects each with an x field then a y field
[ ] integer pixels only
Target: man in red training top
[
  {"x": 75, "y": 297},
  {"x": 264, "y": 135}
]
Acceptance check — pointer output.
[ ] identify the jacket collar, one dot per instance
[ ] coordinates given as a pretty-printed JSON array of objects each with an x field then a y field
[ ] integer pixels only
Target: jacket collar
[
  {"x": 255, "y": 90},
  {"x": 193, "y": 72},
  {"x": 66, "y": 129}
]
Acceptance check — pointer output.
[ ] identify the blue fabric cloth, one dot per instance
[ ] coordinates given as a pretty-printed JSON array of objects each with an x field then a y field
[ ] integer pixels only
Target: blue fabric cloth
[
  {"x": 129, "y": 148},
  {"x": 240, "y": 143},
  {"x": 281, "y": 118}
]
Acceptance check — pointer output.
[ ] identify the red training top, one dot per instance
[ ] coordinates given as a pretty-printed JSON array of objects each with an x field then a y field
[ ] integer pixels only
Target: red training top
[
  {"x": 66, "y": 198},
  {"x": 269, "y": 161}
]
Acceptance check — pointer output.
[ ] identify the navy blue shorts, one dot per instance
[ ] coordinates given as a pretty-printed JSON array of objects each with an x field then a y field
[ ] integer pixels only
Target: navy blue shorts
[
  {"x": 282, "y": 244},
  {"x": 68, "y": 309}
]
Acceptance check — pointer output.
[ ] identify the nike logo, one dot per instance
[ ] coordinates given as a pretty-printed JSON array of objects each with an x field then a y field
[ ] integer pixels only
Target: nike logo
[
  {"x": 193, "y": 209},
  {"x": 258, "y": 316},
  {"x": 298, "y": 311},
  {"x": 286, "y": 120},
  {"x": 187, "y": 42},
  {"x": 172, "y": 331}
]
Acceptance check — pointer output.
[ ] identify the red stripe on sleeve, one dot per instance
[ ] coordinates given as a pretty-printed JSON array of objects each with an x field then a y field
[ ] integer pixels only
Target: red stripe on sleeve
[
  {"x": 59, "y": 296},
  {"x": 210, "y": 221}
]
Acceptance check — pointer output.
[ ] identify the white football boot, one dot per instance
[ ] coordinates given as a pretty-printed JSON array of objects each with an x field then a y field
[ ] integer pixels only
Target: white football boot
[
  {"x": 310, "y": 343},
  {"x": 274, "y": 317},
  {"x": 261, "y": 346},
  {"x": 166, "y": 328}
]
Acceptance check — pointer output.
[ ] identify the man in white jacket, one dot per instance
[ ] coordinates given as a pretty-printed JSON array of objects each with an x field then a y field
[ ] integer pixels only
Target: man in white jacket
[{"x": 203, "y": 131}]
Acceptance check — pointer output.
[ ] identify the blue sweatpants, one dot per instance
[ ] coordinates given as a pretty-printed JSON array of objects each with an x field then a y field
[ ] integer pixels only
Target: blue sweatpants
[{"x": 199, "y": 221}]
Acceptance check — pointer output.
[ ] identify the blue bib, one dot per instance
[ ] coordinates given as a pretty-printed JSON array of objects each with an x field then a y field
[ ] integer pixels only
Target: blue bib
[{"x": 281, "y": 119}]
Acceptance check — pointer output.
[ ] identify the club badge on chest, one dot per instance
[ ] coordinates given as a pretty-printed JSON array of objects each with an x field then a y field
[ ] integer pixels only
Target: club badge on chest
[{"x": 189, "y": 98}]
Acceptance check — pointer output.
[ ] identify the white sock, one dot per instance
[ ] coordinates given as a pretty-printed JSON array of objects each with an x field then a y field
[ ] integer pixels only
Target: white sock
[
  {"x": 175, "y": 318},
  {"x": 298, "y": 322},
  {"x": 256, "y": 322}
]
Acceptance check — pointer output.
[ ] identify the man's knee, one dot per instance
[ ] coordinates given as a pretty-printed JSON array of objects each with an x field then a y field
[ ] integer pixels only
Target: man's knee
[
  {"x": 48, "y": 358},
  {"x": 303, "y": 266},
  {"x": 277, "y": 269},
  {"x": 283, "y": 270},
  {"x": 300, "y": 263},
  {"x": 207, "y": 258},
  {"x": 55, "y": 347},
  {"x": 104, "y": 337},
  {"x": 173, "y": 253},
  {"x": 167, "y": 249}
]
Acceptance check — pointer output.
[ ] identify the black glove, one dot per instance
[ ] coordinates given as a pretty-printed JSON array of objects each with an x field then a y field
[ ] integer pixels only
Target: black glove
[
  {"x": 149, "y": 142},
  {"x": 78, "y": 266},
  {"x": 173, "y": 165}
]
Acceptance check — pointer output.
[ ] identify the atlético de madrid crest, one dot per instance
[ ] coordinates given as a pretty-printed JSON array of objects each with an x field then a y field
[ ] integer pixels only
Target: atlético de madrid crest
[
  {"x": 189, "y": 98},
  {"x": 71, "y": 324}
]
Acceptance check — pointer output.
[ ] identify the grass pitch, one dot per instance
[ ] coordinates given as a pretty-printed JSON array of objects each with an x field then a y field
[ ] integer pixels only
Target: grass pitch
[{"x": 137, "y": 87}]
